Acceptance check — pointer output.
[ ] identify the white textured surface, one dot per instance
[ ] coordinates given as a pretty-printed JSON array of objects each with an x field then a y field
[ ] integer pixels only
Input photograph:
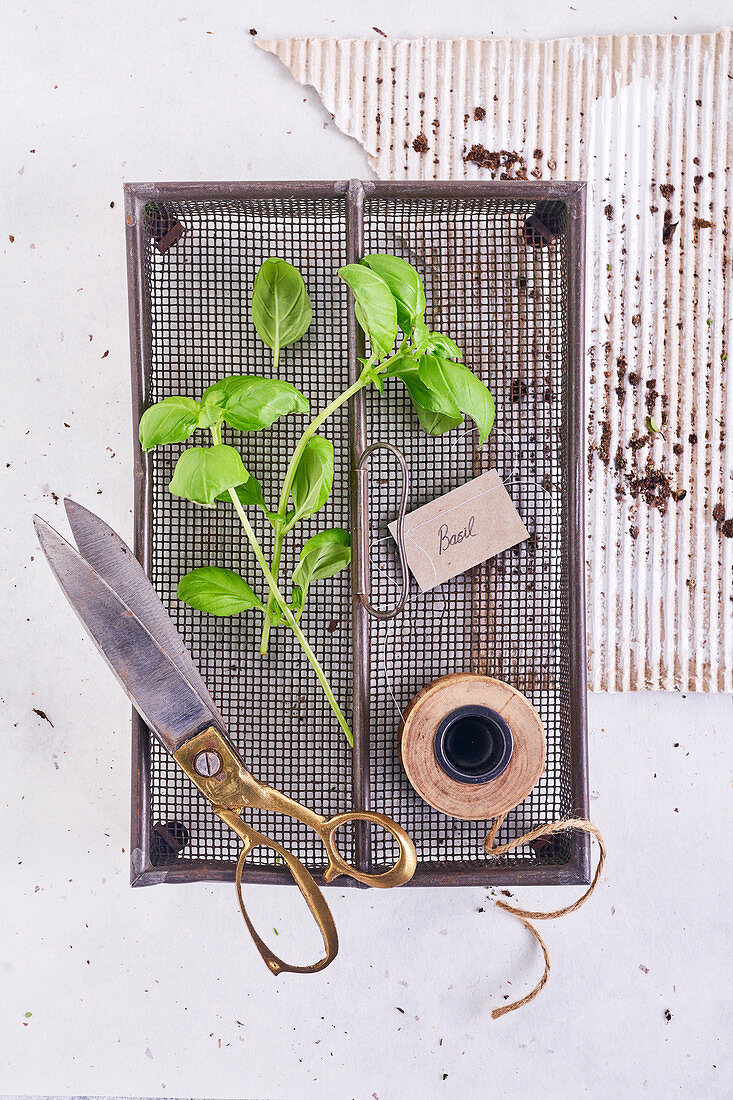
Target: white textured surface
[
  {"x": 159, "y": 992},
  {"x": 631, "y": 116}
]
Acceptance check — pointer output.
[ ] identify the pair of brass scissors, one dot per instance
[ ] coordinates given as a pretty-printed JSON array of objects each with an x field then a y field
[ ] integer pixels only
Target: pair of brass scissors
[{"x": 116, "y": 603}]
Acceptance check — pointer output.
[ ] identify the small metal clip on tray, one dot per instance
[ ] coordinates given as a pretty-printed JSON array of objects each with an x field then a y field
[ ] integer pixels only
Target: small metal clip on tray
[{"x": 362, "y": 569}]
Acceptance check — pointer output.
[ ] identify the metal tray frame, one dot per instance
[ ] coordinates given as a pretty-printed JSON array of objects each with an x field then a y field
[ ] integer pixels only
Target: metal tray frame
[{"x": 573, "y": 195}]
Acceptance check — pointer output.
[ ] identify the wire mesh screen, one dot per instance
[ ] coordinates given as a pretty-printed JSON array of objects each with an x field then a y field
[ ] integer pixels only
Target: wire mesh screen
[
  {"x": 496, "y": 280},
  {"x": 499, "y": 289},
  {"x": 199, "y": 290}
]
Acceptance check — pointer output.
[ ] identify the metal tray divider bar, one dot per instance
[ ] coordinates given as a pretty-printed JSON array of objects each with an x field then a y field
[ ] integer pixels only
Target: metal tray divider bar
[
  {"x": 360, "y": 540},
  {"x": 576, "y": 523},
  {"x": 140, "y": 349}
]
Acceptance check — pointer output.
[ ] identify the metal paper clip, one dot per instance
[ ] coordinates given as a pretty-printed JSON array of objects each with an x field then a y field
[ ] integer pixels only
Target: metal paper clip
[{"x": 362, "y": 571}]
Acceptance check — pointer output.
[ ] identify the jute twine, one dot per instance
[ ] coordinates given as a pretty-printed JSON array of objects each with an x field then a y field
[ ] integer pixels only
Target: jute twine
[{"x": 524, "y": 915}]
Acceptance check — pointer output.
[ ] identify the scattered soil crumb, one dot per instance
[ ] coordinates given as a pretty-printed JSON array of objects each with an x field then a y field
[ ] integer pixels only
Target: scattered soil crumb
[
  {"x": 420, "y": 144},
  {"x": 604, "y": 448},
  {"x": 510, "y": 165},
  {"x": 609, "y": 212},
  {"x": 479, "y": 113},
  {"x": 652, "y": 486},
  {"x": 702, "y": 223},
  {"x": 678, "y": 448},
  {"x": 692, "y": 438},
  {"x": 253, "y": 31},
  {"x": 634, "y": 532},
  {"x": 718, "y": 513},
  {"x": 42, "y": 714},
  {"x": 634, "y": 378},
  {"x": 727, "y": 528},
  {"x": 667, "y": 1013},
  {"x": 668, "y": 228},
  {"x": 666, "y": 190}
]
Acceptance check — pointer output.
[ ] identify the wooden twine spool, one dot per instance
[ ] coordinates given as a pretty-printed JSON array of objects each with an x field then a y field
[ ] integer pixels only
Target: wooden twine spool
[
  {"x": 473, "y": 797},
  {"x": 456, "y": 751}
]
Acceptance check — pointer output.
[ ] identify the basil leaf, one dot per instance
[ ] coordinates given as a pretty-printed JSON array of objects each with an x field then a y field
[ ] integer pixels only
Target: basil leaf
[
  {"x": 202, "y": 473},
  {"x": 281, "y": 308},
  {"x": 324, "y": 555},
  {"x": 249, "y": 492},
  {"x": 442, "y": 346},
  {"x": 472, "y": 396},
  {"x": 313, "y": 479},
  {"x": 218, "y": 591},
  {"x": 420, "y": 338},
  {"x": 172, "y": 420},
  {"x": 250, "y": 403},
  {"x": 441, "y": 390},
  {"x": 405, "y": 286},
  {"x": 427, "y": 386},
  {"x": 434, "y": 423},
  {"x": 376, "y": 310}
]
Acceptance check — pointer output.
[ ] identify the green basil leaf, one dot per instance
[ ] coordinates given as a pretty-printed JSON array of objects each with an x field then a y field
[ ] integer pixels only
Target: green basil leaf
[
  {"x": 441, "y": 390},
  {"x": 427, "y": 385},
  {"x": 249, "y": 492},
  {"x": 472, "y": 396},
  {"x": 434, "y": 423},
  {"x": 172, "y": 420},
  {"x": 405, "y": 286},
  {"x": 281, "y": 308},
  {"x": 250, "y": 403},
  {"x": 202, "y": 473},
  {"x": 313, "y": 479},
  {"x": 420, "y": 338},
  {"x": 442, "y": 346},
  {"x": 376, "y": 310},
  {"x": 324, "y": 555},
  {"x": 218, "y": 591}
]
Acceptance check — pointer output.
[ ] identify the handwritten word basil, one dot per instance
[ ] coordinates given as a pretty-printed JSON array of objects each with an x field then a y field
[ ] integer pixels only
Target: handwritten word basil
[
  {"x": 202, "y": 473},
  {"x": 217, "y": 591},
  {"x": 172, "y": 420},
  {"x": 281, "y": 308},
  {"x": 376, "y": 309}
]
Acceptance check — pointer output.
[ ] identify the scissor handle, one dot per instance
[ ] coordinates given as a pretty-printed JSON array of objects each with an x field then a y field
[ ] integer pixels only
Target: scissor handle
[
  {"x": 212, "y": 763},
  {"x": 302, "y": 878},
  {"x": 397, "y": 875}
]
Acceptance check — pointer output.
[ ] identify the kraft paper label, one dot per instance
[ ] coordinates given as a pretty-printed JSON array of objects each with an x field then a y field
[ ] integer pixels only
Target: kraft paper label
[{"x": 459, "y": 530}]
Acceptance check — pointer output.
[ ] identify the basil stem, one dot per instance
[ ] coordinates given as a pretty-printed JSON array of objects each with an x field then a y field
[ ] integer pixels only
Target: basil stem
[
  {"x": 365, "y": 379},
  {"x": 280, "y": 600}
]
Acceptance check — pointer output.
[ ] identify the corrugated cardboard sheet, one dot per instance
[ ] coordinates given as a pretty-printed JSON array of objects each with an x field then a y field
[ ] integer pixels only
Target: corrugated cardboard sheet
[{"x": 648, "y": 122}]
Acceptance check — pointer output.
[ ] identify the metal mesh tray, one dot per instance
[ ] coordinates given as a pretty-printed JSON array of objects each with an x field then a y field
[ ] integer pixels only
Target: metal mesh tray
[{"x": 503, "y": 270}]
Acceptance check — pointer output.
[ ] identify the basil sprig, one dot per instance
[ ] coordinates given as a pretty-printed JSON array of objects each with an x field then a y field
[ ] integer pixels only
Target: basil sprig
[{"x": 390, "y": 303}]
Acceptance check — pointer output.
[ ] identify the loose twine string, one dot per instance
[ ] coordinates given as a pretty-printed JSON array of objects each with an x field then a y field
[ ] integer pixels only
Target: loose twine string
[{"x": 526, "y": 916}]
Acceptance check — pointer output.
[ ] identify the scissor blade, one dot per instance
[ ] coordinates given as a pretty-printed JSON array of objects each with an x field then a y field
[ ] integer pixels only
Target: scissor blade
[
  {"x": 109, "y": 556},
  {"x": 168, "y": 704}
]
